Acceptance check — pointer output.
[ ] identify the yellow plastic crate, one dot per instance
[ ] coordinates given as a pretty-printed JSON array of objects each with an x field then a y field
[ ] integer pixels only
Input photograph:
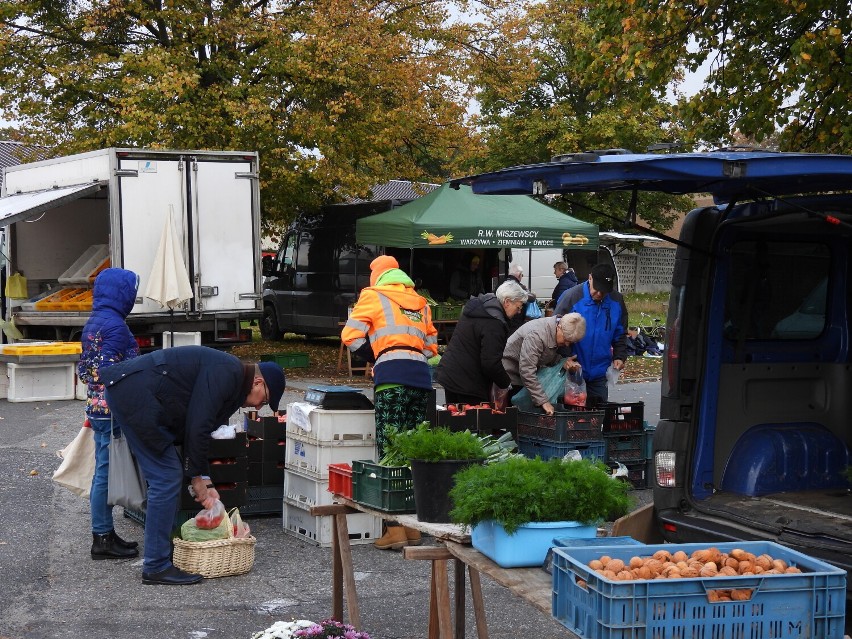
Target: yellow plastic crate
[
  {"x": 54, "y": 348},
  {"x": 80, "y": 302},
  {"x": 56, "y": 301}
]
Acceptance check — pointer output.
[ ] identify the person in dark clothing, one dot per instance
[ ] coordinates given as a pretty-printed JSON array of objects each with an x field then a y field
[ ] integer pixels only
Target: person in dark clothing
[
  {"x": 180, "y": 396},
  {"x": 516, "y": 274},
  {"x": 638, "y": 343},
  {"x": 466, "y": 280},
  {"x": 567, "y": 279},
  {"x": 473, "y": 359},
  {"x": 106, "y": 340}
]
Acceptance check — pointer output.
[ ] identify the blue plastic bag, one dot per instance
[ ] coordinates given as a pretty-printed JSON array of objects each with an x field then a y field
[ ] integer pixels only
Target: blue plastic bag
[
  {"x": 532, "y": 310},
  {"x": 552, "y": 380}
]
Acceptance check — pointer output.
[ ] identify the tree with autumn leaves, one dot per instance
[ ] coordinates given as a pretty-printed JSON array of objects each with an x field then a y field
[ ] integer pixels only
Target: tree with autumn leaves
[
  {"x": 340, "y": 95},
  {"x": 337, "y": 95}
]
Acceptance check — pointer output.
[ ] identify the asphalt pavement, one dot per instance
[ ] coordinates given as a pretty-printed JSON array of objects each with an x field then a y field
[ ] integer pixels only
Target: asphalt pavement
[{"x": 50, "y": 587}]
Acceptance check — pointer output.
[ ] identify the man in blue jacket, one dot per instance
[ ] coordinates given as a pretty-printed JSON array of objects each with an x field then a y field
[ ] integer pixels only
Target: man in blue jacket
[
  {"x": 180, "y": 396},
  {"x": 605, "y": 343}
]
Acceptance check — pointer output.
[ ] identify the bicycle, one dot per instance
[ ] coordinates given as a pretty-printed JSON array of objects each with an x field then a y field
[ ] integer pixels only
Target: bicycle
[{"x": 653, "y": 327}]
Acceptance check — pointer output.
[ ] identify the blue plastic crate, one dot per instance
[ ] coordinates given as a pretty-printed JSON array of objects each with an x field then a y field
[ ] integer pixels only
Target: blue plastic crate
[
  {"x": 573, "y": 542},
  {"x": 624, "y": 448},
  {"x": 807, "y": 605},
  {"x": 530, "y": 543},
  {"x": 547, "y": 449}
]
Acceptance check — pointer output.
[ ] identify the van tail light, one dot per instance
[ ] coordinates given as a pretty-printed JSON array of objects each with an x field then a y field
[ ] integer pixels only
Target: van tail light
[{"x": 665, "y": 466}]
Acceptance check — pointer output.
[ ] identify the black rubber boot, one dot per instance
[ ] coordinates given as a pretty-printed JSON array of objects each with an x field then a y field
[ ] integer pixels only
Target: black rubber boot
[
  {"x": 120, "y": 542},
  {"x": 105, "y": 547}
]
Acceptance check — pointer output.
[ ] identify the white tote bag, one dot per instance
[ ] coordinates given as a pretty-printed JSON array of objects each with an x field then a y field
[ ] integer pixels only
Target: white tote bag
[{"x": 78, "y": 463}]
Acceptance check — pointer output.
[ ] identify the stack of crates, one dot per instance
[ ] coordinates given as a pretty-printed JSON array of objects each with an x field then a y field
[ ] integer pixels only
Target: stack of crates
[
  {"x": 267, "y": 438},
  {"x": 626, "y": 441},
  {"x": 335, "y": 437},
  {"x": 549, "y": 436}
]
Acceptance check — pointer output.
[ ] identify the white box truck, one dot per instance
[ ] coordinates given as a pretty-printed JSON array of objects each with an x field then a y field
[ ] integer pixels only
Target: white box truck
[{"x": 65, "y": 217}]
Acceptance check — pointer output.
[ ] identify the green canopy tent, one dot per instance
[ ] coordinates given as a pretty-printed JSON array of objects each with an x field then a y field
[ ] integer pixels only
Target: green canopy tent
[{"x": 456, "y": 218}]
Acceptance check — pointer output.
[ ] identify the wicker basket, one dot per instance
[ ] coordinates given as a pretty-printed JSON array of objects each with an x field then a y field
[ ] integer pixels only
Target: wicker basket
[{"x": 217, "y": 558}]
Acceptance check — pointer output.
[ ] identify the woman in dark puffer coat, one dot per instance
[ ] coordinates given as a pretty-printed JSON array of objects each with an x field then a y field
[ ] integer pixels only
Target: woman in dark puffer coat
[{"x": 473, "y": 359}]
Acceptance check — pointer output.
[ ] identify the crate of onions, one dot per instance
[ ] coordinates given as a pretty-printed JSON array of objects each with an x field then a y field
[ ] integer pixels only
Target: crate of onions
[{"x": 736, "y": 589}]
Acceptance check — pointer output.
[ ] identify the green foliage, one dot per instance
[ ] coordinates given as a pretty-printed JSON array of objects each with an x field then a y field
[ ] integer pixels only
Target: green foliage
[
  {"x": 336, "y": 96},
  {"x": 519, "y": 491},
  {"x": 774, "y": 66},
  {"x": 432, "y": 444}
]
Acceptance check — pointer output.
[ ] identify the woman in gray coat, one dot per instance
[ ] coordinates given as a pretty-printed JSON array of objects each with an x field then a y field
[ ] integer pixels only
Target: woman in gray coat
[{"x": 535, "y": 345}]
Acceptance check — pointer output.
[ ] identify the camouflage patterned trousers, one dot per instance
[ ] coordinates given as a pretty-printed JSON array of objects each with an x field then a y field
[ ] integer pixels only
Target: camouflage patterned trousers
[{"x": 400, "y": 406}]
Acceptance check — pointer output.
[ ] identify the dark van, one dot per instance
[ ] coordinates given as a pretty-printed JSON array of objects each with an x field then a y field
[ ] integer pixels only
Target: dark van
[
  {"x": 317, "y": 273},
  {"x": 755, "y": 428}
]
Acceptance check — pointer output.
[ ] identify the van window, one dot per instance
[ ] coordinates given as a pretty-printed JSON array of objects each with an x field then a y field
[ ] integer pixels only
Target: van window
[{"x": 777, "y": 290}]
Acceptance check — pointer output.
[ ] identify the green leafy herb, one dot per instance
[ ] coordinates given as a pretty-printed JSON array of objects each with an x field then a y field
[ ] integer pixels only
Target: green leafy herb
[
  {"x": 431, "y": 444},
  {"x": 519, "y": 491}
]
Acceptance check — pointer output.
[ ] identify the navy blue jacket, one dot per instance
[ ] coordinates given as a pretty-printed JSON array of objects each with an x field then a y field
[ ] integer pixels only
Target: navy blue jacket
[
  {"x": 567, "y": 280},
  {"x": 178, "y": 396},
  {"x": 474, "y": 357},
  {"x": 606, "y": 329},
  {"x": 106, "y": 339}
]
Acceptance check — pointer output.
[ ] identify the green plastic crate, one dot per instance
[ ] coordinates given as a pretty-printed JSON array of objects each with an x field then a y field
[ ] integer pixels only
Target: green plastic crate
[
  {"x": 287, "y": 360},
  {"x": 386, "y": 488}
]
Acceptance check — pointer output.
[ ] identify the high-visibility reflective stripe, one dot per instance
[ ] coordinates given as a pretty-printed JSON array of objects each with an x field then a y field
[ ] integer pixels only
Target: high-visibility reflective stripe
[
  {"x": 357, "y": 325},
  {"x": 409, "y": 355},
  {"x": 399, "y": 329},
  {"x": 358, "y": 343}
]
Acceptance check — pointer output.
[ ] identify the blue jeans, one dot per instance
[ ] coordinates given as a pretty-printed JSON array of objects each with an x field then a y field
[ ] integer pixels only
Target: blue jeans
[
  {"x": 101, "y": 512},
  {"x": 163, "y": 473}
]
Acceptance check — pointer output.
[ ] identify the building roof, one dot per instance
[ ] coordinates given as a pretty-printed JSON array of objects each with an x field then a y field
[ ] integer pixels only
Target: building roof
[
  {"x": 14, "y": 153},
  {"x": 396, "y": 190}
]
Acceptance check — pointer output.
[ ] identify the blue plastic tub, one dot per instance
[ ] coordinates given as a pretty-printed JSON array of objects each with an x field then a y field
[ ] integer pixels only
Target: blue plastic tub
[
  {"x": 806, "y": 605},
  {"x": 530, "y": 543},
  {"x": 533, "y": 447}
]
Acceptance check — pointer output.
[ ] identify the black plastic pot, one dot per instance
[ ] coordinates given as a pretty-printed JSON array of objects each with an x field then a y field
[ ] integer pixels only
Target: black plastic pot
[{"x": 432, "y": 483}]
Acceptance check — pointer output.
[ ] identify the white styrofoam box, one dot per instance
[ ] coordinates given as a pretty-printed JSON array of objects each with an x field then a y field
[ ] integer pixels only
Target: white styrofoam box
[
  {"x": 80, "y": 388},
  {"x": 337, "y": 425},
  {"x": 40, "y": 382},
  {"x": 305, "y": 490},
  {"x": 4, "y": 381},
  {"x": 181, "y": 338},
  {"x": 311, "y": 459},
  {"x": 298, "y": 521}
]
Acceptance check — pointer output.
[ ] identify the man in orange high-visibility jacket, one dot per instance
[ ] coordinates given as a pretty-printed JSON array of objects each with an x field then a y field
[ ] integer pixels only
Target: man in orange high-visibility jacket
[{"x": 391, "y": 326}]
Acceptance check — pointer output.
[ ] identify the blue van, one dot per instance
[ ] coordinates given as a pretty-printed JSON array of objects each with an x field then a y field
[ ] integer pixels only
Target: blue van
[{"x": 755, "y": 428}]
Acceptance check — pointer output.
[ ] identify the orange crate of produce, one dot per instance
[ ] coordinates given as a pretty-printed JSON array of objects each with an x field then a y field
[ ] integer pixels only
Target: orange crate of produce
[
  {"x": 103, "y": 265},
  {"x": 340, "y": 480}
]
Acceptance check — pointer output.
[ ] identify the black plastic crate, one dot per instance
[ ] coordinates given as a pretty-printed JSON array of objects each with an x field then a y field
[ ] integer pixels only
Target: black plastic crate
[
  {"x": 548, "y": 449},
  {"x": 624, "y": 418},
  {"x": 623, "y": 448},
  {"x": 263, "y": 500},
  {"x": 562, "y": 426}
]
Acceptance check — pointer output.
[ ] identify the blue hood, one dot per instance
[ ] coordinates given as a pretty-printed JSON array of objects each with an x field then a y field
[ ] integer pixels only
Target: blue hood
[{"x": 115, "y": 288}]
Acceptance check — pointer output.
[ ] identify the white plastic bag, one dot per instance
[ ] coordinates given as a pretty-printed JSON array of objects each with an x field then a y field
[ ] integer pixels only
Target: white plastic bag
[{"x": 612, "y": 375}]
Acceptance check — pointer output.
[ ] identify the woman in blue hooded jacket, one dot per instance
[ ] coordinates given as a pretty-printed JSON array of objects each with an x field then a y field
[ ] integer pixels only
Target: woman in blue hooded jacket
[{"x": 106, "y": 340}]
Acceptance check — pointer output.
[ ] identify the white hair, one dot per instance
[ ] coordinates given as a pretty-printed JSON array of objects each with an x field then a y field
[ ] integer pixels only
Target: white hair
[
  {"x": 516, "y": 270},
  {"x": 511, "y": 290},
  {"x": 573, "y": 327}
]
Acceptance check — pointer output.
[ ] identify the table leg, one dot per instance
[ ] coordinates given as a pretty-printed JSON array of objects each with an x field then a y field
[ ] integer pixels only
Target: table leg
[
  {"x": 336, "y": 574},
  {"x": 342, "y": 530},
  {"x": 340, "y": 356},
  {"x": 459, "y": 597},
  {"x": 478, "y": 602},
  {"x": 434, "y": 630},
  {"x": 442, "y": 595}
]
